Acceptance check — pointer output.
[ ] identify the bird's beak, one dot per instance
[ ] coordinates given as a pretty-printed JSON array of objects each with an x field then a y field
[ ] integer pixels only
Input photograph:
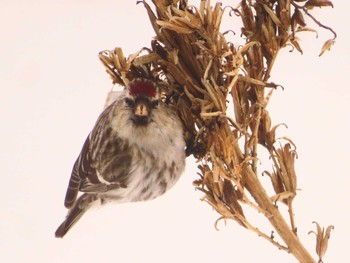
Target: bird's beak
[{"x": 142, "y": 111}]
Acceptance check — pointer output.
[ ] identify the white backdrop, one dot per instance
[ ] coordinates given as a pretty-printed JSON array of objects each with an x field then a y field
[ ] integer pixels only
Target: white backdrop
[{"x": 53, "y": 88}]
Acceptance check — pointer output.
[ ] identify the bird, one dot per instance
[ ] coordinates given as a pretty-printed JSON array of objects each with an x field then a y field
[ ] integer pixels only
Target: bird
[{"x": 135, "y": 152}]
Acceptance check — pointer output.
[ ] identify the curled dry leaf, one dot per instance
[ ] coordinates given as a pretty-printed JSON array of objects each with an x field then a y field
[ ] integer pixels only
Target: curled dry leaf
[
  {"x": 307, "y": 29},
  {"x": 271, "y": 135},
  {"x": 322, "y": 238}
]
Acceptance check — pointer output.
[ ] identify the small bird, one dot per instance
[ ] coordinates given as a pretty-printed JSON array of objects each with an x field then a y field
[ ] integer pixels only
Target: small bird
[{"x": 135, "y": 152}]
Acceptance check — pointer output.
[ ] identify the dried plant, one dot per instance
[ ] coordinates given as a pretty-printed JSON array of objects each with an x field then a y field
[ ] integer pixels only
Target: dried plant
[
  {"x": 322, "y": 240},
  {"x": 200, "y": 71}
]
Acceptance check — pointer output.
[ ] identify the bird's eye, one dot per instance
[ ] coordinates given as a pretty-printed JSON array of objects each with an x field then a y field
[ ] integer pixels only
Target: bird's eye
[
  {"x": 129, "y": 102},
  {"x": 155, "y": 104}
]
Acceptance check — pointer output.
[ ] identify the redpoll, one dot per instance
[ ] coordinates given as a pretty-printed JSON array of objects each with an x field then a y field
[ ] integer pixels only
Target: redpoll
[{"x": 135, "y": 152}]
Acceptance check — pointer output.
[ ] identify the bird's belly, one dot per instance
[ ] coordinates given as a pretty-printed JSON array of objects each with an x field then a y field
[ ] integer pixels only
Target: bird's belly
[{"x": 145, "y": 184}]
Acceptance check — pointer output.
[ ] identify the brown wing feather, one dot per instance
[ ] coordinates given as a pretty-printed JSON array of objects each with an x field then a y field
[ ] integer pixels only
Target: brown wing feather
[
  {"x": 75, "y": 213},
  {"x": 103, "y": 154},
  {"x": 80, "y": 170}
]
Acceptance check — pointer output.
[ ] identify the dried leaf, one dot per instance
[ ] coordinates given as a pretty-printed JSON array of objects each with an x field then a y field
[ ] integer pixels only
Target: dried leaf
[
  {"x": 119, "y": 58},
  {"x": 145, "y": 59},
  {"x": 151, "y": 16},
  {"x": 231, "y": 197},
  {"x": 327, "y": 46},
  {"x": 286, "y": 160},
  {"x": 247, "y": 17},
  {"x": 174, "y": 27},
  {"x": 276, "y": 182},
  {"x": 264, "y": 127},
  {"x": 318, "y": 3},
  {"x": 271, "y": 136},
  {"x": 217, "y": 16},
  {"x": 273, "y": 16},
  {"x": 326, "y": 237},
  {"x": 284, "y": 15},
  {"x": 289, "y": 140},
  {"x": 299, "y": 18},
  {"x": 282, "y": 197},
  {"x": 307, "y": 29},
  {"x": 321, "y": 239},
  {"x": 295, "y": 43},
  {"x": 252, "y": 81}
]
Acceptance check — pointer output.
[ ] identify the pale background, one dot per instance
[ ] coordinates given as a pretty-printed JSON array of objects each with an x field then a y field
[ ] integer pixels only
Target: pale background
[{"x": 53, "y": 88}]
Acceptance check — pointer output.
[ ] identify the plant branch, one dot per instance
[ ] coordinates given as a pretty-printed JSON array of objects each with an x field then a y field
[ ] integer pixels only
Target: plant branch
[{"x": 198, "y": 69}]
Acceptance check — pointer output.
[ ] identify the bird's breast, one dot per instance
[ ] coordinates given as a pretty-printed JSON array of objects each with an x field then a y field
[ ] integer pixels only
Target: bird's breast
[{"x": 151, "y": 174}]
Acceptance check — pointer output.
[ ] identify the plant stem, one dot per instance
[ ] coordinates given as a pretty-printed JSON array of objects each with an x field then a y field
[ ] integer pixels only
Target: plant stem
[{"x": 277, "y": 221}]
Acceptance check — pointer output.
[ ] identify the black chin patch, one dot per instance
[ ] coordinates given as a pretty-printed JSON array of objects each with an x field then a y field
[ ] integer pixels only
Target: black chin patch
[{"x": 140, "y": 120}]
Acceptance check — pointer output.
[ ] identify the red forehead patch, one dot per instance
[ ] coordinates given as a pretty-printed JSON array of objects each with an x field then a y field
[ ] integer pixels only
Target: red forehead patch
[{"x": 142, "y": 87}]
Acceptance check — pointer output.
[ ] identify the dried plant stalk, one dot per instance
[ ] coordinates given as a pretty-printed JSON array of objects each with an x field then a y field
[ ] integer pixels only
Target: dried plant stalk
[{"x": 198, "y": 69}]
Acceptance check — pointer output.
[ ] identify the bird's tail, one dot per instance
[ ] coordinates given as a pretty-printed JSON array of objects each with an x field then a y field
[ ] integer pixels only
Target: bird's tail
[{"x": 83, "y": 203}]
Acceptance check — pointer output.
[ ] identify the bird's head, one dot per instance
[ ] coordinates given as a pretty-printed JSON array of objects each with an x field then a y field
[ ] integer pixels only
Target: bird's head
[{"x": 142, "y": 97}]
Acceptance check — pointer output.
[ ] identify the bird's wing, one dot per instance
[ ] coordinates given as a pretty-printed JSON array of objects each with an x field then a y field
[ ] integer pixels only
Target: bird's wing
[
  {"x": 82, "y": 169},
  {"x": 104, "y": 161}
]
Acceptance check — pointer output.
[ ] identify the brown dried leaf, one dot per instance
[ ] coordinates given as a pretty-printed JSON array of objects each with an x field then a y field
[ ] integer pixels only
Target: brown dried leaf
[
  {"x": 231, "y": 197},
  {"x": 252, "y": 81},
  {"x": 247, "y": 18},
  {"x": 240, "y": 102},
  {"x": 318, "y": 3},
  {"x": 299, "y": 18},
  {"x": 289, "y": 140},
  {"x": 288, "y": 170},
  {"x": 276, "y": 182},
  {"x": 264, "y": 127},
  {"x": 107, "y": 61},
  {"x": 326, "y": 237},
  {"x": 271, "y": 136},
  {"x": 327, "y": 46},
  {"x": 186, "y": 19},
  {"x": 119, "y": 58},
  {"x": 145, "y": 59},
  {"x": 322, "y": 239},
  {"x": 273, "y": 16},
  {"x": 209, "y": 13},
  {"x": 217, "y": 16},
  {"x": 295, "y": 43},
  {"x": 284, "y": 14},
  {"x": 151, "y": 16},
  {"x": 307, "y": 29},
  {"x": 175, "y": 27},
  {"x": 282, "y": 197}
]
